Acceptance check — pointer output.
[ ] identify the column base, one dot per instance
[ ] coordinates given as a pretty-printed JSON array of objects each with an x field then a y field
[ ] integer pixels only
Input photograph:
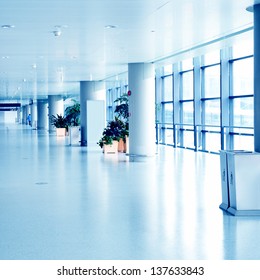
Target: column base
[{"x": 140, "y": 158}]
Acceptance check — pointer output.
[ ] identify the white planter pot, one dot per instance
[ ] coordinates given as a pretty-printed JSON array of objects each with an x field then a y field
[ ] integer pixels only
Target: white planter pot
[
  {"x": 74, "y": 135},
  {"x": 60, "y": 132},
  {"x": 111, "y": 149}
]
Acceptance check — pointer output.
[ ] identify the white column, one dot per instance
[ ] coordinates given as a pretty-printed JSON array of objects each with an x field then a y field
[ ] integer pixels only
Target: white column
[
  {"x": 18, "y": 117},
  {"x": 27, "y": 112},
  {"x": 257, "y": 77},
  {"x": 56, "y": 106},
  {"x": 89, "y": 90},
  {"x": 42, "y": 114},
  {"x": 141, "y": 83},
  {"x": 24, "y": 116},
  {"x": 34, "y": 115}
]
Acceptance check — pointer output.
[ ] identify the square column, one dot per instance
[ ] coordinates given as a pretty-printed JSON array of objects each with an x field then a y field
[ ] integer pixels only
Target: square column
[{"x": 92, "y": 110}]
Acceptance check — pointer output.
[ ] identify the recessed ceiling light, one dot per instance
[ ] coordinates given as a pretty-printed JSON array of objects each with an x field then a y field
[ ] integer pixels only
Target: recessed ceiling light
[
  {"x": 5, "y": 57},
  {"x": 6, "y": 26},
  {"x": 109, "y": 26}
]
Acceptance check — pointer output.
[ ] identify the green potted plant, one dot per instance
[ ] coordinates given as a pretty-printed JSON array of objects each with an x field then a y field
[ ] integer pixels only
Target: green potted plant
[
  {"x": 61, "y": 124},
  {"x": 72, "y": 114},
  {"x": 122, "y": 113},
  {"x": 111, "y": 135},
  {"x": 122, "y": 107}
]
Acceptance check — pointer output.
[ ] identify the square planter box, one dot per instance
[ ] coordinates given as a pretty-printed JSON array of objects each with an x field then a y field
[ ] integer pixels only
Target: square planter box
[
  {"x": 74, "y": 135},
  {"x": 60, "y": 132},
  {"x": 111, "y": 149}
]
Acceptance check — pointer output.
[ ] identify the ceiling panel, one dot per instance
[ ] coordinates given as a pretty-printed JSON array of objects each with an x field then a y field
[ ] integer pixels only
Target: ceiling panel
[{"x": 34, "y": 62}]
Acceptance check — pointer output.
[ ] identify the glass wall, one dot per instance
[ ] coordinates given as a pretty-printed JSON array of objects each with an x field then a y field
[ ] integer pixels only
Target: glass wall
[
  {"x": 211, "y": 108},
  {"x": 167, "y": 106},
  {"x": 242, "y": 102},
  {"x": 210, "y": 133}
]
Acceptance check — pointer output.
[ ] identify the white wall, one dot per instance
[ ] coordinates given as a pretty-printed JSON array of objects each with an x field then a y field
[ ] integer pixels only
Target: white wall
[{"x": 8, "y": 116}]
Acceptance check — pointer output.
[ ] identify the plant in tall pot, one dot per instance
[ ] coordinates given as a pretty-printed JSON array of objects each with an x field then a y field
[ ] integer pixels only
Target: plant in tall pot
[
  {"x": 72, "y": 114},
  {"x": 122, "y": 113},
  {"x": 111, "y": 135},
  {"x": 61, "y": 124}
]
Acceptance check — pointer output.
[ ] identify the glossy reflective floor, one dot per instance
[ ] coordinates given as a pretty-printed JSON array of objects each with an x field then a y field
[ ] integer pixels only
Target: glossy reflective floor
[{"x": 63, "y": 202}]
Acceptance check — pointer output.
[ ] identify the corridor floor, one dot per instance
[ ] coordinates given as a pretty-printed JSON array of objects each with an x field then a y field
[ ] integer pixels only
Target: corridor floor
[{"x": 64, "y": 202}]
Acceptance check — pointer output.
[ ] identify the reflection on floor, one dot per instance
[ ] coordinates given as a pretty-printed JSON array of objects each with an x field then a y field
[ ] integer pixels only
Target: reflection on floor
[{"x": 63, "y": 202}]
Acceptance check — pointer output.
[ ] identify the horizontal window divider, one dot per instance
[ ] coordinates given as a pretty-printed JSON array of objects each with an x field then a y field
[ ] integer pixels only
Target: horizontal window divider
[
  {"x": 209, "y": 98},
  {"x": 186, "y": 129},
  {"x": 241, "y": 134},
  {"x": 186, "y": 71},
  {"x": 210, "y": 65},
  {"x": 165, "y": 76},
  {"x": 240, "y": 96},
  {"x": 186, "y": 100},
  {"x": 210, "y": 131},
  {"x": 167, "y": 102},
  {"x": 169, "y": 128},
  {"x": 240, "y": 58}
]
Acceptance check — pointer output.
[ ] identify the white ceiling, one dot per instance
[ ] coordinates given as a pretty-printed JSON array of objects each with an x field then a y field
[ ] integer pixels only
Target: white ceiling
[{"x": 35, "y": 63}]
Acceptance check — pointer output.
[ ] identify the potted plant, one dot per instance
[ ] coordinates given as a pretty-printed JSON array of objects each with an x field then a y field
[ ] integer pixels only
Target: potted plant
[
  {"x": 72, "y": 114},
  {"x": 122, "y": 107},
  {"x": 61, "y": 124},
  {"x": 111, "y": 135},
  {"x": 122, "y": 112}
]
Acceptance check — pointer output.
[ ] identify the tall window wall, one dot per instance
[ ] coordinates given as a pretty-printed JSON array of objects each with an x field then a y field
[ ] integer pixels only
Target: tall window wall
[
  {"x": 167, "y": 106},
  {"x": 210, "y": 136},
  {"x": 241, "y": 102},
  {"x": 209, "y": 106},
  {"x": 186, "y": 109}
]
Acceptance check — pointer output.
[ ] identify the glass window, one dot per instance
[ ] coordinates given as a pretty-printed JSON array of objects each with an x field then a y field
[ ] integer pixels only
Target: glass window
[
  {"x": 243, "y": 112},
  {"x": 187, "y": 64},
  {"x": 188, "y": 139},
  {"x": 243, "y": 76},
  {"x": 212, "y": 141},
  {"x": 187, "y": 112},
  {"x": 212, "y": 112},
  {"x": 243, "y": 142},
  {"x": 167, "y": 69},
  {"x": 167, "y": 88},
  {"x": 212, "y": 58},
  {"x": 244, "y": 48},
  {"x": 212, "y": 81},
  {"x": 168, "y": 112},
  {"x": 187, "y": 85},
  {"x": 168, "y": 135}
]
